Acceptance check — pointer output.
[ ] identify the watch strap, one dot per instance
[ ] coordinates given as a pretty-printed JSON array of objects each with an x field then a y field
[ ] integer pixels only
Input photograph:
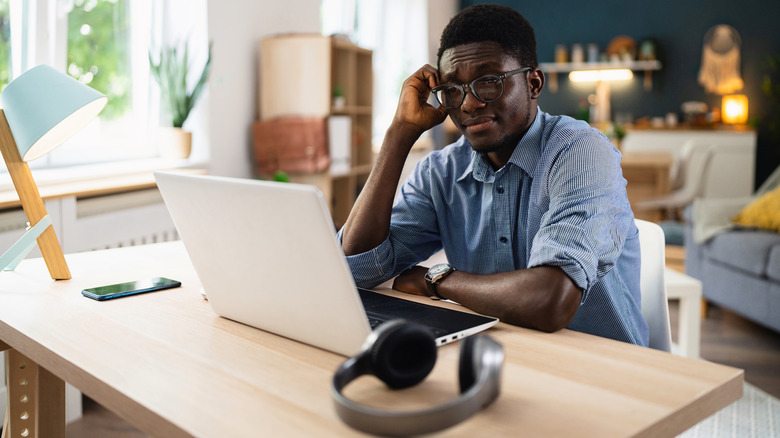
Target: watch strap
[{"x": 432, "y": 279}]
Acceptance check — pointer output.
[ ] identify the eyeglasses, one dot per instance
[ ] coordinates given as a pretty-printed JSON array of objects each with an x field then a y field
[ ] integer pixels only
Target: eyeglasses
[{"x": 486, "y": 89}]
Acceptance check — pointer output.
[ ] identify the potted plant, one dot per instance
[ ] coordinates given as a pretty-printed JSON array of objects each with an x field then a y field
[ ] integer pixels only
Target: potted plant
[{"x": 171, "y": 71}]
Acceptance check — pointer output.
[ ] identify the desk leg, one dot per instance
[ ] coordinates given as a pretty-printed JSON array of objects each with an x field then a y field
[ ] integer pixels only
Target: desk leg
[
  {"x": 36, "y": 400},
  {"x": 690, "y": 331}
]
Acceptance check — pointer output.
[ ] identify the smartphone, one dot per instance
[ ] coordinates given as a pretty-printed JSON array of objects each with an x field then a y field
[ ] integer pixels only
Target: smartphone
[{"x": 102, "y": 293}]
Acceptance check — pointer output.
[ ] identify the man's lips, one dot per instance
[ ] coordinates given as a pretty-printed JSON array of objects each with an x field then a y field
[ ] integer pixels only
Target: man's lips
[{"x": 478, "y": 124}]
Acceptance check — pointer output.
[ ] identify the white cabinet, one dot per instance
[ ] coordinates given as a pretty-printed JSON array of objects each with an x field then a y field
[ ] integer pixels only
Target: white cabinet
[{"x": 732, "y": 170}]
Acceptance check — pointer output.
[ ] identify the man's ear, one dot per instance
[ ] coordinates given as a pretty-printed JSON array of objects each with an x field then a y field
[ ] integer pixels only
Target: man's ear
[{"x": 535, "y": 83}]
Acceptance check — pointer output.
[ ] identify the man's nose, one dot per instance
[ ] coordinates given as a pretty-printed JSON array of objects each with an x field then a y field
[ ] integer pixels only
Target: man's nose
[{"x": 470, "y": 102}]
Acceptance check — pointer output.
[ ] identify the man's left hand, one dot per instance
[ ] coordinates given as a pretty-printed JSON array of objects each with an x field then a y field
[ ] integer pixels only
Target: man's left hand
[{"x": 412, "y": 281}]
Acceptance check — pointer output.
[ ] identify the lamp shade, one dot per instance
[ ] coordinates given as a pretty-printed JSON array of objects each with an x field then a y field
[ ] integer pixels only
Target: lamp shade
[
  {"x": 45, "y": 107},
  {"x": 735, "y": 109}
]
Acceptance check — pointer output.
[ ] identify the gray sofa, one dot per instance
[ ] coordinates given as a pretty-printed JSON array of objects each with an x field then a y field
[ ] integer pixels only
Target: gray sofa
[{"x": 739, "y": 268}]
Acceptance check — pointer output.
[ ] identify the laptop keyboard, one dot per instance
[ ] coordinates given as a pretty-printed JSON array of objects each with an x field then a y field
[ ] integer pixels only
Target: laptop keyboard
[{"x": 375, "y": 320}]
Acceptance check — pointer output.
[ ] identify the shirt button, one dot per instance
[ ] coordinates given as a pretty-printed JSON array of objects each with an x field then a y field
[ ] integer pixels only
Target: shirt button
[
  {"x": 500, "y": 190},
  {"x": 503, "y": 239}
]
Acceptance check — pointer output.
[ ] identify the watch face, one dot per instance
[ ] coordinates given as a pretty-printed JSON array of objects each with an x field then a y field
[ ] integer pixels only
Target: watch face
[{"x": 438, "y": 269}]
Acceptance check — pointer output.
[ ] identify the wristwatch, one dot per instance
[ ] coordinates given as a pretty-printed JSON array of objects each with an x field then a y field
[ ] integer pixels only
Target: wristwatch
[{"x": 435, "y": 275}]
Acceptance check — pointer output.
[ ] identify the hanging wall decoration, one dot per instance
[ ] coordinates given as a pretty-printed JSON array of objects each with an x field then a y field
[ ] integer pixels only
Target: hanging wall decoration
[{"x": 720, "y": 60}]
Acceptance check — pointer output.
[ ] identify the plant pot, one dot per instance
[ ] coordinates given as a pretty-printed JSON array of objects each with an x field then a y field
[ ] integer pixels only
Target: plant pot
[{"x": 174, "y": 143}]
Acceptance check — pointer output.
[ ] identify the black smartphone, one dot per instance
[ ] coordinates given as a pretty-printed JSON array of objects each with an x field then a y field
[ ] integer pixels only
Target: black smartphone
[{"x": 102, "y": 293}]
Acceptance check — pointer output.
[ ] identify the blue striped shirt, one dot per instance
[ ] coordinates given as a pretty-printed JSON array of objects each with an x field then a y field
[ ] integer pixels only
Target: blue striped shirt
[{"x": 559, "y": 201}]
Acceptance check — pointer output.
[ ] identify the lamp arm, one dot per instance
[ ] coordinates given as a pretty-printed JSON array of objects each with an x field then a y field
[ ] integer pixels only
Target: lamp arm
[
  {"x": 19, "y": 250},
  {"x": 32, "y": 202}
]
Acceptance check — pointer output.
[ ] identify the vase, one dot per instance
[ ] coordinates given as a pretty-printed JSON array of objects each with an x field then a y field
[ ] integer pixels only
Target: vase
[{"x": 174, "y": 143}]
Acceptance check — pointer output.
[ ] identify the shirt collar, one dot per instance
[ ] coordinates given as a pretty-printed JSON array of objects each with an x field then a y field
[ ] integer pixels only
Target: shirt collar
[{"x": 525, "y": 155}]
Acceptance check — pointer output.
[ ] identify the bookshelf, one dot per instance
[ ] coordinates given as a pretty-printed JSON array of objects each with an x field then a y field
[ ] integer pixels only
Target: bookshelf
[{"x": 299, "y": 76}]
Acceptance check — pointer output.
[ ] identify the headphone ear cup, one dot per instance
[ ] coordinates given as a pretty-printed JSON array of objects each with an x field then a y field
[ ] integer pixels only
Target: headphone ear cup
[
  {"x": 403, "y": 355},
  {"x": 467, "y": 369}
]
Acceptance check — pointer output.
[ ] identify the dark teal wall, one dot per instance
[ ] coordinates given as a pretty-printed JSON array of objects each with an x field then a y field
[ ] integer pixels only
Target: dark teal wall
[{"x": 679, "y": 28}]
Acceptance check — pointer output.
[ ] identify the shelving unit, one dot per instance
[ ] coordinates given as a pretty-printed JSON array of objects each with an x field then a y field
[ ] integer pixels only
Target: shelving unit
[
  {"x": 553, "y": 68},
  {"x": 298, "y": 76}
]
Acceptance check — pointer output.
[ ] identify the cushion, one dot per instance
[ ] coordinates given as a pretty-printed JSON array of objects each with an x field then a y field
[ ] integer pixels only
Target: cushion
[
  {"x": 746, "y": 250},
  {"x": 762, "y": 213}
]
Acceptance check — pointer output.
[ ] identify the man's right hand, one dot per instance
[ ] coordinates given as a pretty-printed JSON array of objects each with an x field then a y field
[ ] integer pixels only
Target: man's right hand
[
  {"x": 413, "y": 111},
  {"x": 369, "y": 221}
]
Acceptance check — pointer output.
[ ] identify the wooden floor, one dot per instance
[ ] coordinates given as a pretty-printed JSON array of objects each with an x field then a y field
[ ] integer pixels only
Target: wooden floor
[{"x": 727, "y": 338}]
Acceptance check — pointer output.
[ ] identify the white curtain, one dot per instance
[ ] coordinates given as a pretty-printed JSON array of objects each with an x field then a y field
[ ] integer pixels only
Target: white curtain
[{"x": 397, "y": 32}]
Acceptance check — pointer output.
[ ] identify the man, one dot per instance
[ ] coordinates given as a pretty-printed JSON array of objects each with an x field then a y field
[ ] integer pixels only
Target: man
[{"x": 530, "y": 209}]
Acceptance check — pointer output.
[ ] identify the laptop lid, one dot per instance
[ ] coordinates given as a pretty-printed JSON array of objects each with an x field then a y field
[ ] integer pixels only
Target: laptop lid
[{"x": 267, "y": 256}]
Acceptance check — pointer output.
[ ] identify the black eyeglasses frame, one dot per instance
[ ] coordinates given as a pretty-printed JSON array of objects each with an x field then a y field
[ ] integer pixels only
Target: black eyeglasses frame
[{"x": 470, "y": 87}]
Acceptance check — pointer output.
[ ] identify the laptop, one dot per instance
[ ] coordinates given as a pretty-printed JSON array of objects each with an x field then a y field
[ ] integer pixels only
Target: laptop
[{"x": 267, "y": 255}]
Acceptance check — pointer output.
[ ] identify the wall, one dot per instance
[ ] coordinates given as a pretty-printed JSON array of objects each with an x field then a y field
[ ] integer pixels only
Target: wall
[
  {"x": 679, "y": 28},
  {"x": 235, "y": 29}
]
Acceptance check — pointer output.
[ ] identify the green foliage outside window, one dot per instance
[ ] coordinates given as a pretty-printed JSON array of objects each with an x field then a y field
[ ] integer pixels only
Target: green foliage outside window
[
  {"x": 99, "y": 50},
  {"x": 5, "y": 44}
]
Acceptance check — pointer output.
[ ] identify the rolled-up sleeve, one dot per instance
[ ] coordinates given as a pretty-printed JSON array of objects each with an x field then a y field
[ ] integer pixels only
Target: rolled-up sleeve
[
  {"x": 413, "y": 234},
  {"x": 372, "y": 267},
  {"x": 588, "y": 218}
]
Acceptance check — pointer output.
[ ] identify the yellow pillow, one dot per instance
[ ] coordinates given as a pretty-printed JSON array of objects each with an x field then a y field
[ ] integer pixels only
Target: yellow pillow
[{"x": 762, "y": 213}]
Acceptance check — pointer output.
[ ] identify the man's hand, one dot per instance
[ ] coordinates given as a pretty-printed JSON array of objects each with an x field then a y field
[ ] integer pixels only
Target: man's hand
[
  {"x": 543, "y": 297},
  {"x": 414, "y": 111},
  {"x": 412, "y": 281},
  {"x": 369, "y": 221}
]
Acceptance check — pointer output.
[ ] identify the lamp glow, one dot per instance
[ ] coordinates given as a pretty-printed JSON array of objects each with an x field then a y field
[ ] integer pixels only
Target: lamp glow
[
  {"x": 40, "y": 110},
  {"x": 735, "y": 109},
  {"x": 619, "y": 74}
]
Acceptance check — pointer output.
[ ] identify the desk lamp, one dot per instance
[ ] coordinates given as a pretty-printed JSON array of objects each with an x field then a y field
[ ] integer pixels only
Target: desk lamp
[{"x": 40, "y": 110}]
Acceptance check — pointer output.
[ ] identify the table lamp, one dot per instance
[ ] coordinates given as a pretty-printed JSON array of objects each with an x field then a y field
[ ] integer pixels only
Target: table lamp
[
  {"x": 40, "y": 110},
  {"x": 735, "y": 109}
]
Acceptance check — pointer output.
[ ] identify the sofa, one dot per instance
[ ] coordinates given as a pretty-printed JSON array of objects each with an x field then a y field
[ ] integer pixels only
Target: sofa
[{"x": 739, "y": 265}]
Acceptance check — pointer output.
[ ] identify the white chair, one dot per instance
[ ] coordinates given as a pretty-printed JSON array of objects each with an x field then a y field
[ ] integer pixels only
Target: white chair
[
  {"x": 655, "y": 307},
  {"x": 688, "y": 182}
]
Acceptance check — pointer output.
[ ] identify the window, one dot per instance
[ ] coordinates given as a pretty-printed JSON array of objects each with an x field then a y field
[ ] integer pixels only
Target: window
[
  {"x": 106, "y": 45},
  {"x": 375, "y": 25},
  {"x": 5, "y": 44}
]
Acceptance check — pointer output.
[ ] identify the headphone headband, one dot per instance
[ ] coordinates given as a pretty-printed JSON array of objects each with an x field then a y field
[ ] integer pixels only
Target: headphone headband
[{"x": 481, "y": 361}]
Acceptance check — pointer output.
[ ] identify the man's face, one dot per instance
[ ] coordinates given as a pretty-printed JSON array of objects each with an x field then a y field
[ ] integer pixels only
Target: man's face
[{"x": 495, "y": 126}]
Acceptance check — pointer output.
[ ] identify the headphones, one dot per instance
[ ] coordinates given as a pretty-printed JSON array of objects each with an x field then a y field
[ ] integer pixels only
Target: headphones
[{"x": 402, "y": 354}]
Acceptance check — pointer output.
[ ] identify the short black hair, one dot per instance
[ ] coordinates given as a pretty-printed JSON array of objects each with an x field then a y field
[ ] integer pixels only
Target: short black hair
[{"x": 500, "y": 24}]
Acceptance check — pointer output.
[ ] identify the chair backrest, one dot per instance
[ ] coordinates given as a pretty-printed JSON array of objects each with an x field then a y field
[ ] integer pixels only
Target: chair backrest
[
  {"x": 655, "y": 307},
  {"x": 695, "y": 162}
]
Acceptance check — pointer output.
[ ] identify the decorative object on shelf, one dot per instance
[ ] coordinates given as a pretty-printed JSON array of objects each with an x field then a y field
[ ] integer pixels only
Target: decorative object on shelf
[
  {"x": 291, "y": 144},
  {"x": 171, "y": 73},
  {"x": 561, "y": 53},
  {"x": 735, "y": 109},
  {"x": 593, "y": 53},
  {"x": 577, "y": 54},
  {"x": 41, "y": 109},
  {"x": 720, "y": 60},
  {"x": 339, "y": 101},
  {"x": 622, "y": 48},
  {"x": 647, "y": 50},
  {"x": 695, "y": 113}
]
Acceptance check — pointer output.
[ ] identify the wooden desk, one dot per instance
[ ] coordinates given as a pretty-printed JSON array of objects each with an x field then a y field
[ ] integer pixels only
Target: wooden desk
[
  {"x": 647, "y": 174},
  {"x": 167, "y": 364}
]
